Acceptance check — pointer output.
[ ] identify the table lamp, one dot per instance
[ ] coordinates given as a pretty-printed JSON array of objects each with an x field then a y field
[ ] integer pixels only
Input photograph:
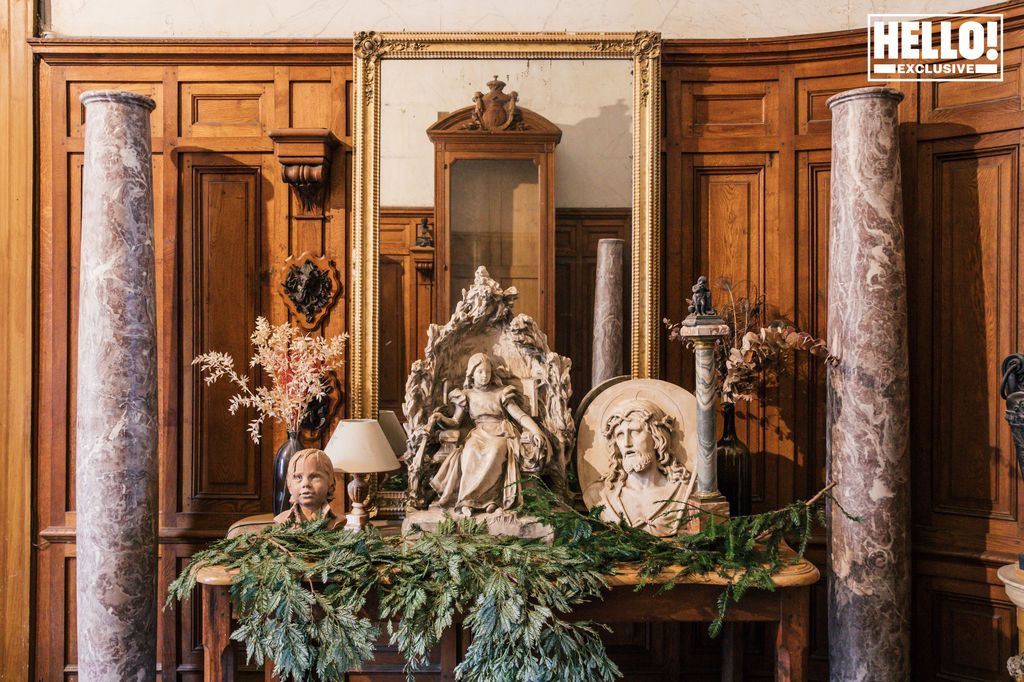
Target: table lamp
[
  {"x": 358, "y": 447},
  {"x": 394, "y": 430}
]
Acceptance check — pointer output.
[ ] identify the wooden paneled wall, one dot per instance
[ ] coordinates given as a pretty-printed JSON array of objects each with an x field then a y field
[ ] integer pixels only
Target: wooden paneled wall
[
  {"x": 407, "y": 283},
  {"x": 224, "y": 227},
  {"x": 17, "y": 237},
  {"x": 747, "y": 196},
  {"x": 746, "y": 147}
]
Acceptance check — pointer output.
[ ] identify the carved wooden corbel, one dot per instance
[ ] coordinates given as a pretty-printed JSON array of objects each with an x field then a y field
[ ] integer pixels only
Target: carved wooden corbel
[{"x": 305, "y": 156}]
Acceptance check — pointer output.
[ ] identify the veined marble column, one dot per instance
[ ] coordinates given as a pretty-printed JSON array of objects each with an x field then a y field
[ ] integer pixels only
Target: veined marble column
[
  {"x": 116, "y": 462},
  {"x": 607, "y": 353},
  {"x": 707, "y": 464},
  {"x": 868, "y": 406}
]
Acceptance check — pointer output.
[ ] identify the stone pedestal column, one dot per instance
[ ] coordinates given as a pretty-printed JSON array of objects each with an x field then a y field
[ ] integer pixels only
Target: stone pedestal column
[
  {"x": 868, "y": 407},
  {"x": 116, "y": 463},
  {"x": 607, "y": 355}
]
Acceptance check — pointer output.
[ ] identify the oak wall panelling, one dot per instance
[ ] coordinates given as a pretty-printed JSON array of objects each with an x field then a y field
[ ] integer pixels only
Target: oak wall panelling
[
  {"x": 407, "y": 286},
  {"x": 746, "y": 153},
  {"x": 17, "y": 332},
  {"x": 224, "y": 221}
]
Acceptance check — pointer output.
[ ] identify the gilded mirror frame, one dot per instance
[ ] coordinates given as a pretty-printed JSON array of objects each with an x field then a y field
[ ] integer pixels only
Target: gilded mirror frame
[{"x": 643, "y": 48}]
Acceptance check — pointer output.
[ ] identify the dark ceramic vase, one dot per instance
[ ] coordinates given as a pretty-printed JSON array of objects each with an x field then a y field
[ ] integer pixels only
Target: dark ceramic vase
[
  {"x": 284, "y": 455},
  {"x": 733, "y": 465}
]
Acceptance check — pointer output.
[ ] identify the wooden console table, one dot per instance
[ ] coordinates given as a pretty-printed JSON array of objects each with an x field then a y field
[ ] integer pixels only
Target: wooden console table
[{"x": 691, "y": 600}]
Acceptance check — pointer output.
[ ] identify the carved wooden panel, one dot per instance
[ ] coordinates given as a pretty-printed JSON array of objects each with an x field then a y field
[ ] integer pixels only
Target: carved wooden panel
[
  {"x": 407, "y": 295},
  {"x": 728, "y": 226},
  {"x": 995, "y": 103},
  {"x": 731, "y": 108},
  {"x": 225, "y": 109},
  {"x": 222, "y": 248},
  {"x": 962, "y": 266},
  {"x": 577, "y": 232},
  {"x": 973, "y": 195},
  {"x": 813, "y": 91},
  {"x": 222, "y": 223}
]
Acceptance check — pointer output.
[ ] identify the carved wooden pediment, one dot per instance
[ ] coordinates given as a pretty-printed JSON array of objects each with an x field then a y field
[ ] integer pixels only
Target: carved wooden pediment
[{"x": 496, "y": 114}]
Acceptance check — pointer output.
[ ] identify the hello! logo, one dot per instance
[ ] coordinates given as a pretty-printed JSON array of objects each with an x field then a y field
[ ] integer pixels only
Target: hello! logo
[{"x": 915, "y": 47}]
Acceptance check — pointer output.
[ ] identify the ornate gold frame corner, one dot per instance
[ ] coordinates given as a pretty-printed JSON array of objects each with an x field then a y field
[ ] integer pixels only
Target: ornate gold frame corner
[{"x": 643, "y": 48}]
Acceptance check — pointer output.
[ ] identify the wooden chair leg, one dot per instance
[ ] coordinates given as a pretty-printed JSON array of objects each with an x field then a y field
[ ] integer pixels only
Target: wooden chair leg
[
  {"x": 732, "y": 652},
  {"x": 793, "y": 633},
  {"x": 218, "y": 654}
]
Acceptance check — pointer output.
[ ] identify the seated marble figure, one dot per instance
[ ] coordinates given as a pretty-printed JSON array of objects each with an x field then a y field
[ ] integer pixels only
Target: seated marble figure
[
  {"x": 482, "y": 473},
  {"x": 644, "y": 484}
]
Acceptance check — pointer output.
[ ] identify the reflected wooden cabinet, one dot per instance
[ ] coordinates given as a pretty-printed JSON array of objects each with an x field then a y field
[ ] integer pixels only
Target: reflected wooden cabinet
[{"x": 494, "y": 198}]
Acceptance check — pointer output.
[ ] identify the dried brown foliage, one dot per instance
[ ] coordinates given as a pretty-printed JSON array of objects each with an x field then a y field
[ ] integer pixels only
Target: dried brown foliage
[{"x": 756, "y": 351}]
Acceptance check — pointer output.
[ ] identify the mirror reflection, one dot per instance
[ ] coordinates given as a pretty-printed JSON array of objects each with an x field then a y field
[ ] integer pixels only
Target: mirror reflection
[{"x": 521, "y": 166}]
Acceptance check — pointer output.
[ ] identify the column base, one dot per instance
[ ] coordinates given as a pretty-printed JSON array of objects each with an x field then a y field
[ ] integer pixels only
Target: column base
[{"x": 710, "y": 509}]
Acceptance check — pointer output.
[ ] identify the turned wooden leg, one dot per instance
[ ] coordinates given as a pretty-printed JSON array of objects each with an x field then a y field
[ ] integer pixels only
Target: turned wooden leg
[
  {"x": 791, "y": 639},
  {"x": 218, "y": 654},
  {"x": 732, "y": 652}
]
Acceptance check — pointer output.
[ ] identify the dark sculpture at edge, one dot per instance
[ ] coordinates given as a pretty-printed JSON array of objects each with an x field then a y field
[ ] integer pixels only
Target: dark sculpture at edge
[{"x": 1010, "y": 389}]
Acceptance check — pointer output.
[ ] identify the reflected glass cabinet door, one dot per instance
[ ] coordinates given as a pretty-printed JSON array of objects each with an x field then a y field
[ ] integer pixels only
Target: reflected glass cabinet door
[{"x": 494, "y": 202}]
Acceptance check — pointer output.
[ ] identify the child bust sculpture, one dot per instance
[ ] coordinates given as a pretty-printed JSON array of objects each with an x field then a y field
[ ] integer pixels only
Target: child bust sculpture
[{"x": 311, "y": 486}]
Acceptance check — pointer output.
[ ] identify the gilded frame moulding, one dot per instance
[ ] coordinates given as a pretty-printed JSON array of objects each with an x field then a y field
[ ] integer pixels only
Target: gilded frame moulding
[{"x": 643, "y": 48}]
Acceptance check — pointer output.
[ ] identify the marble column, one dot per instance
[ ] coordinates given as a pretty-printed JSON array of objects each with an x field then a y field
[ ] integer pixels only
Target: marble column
[
  {"x": 707, "y": 464},
  {"x": 607, "y": 353},
  {"x": 868, "y": 407},
  {"x": 116, "y": 462}
]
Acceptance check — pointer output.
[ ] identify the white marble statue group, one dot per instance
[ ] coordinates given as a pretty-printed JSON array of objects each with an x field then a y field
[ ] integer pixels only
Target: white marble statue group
[{"x": 488, "y": 407}]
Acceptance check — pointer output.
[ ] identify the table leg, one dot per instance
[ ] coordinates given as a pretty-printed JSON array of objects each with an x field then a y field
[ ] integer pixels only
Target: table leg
[
  {"x": 732, "y": 652},
  {"x": 218, "y": 654},
  {"x": 793, "y": 633}
]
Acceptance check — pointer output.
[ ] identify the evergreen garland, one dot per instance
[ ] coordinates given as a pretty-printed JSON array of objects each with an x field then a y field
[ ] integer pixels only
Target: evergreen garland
[{"x": 301, "y": 590}]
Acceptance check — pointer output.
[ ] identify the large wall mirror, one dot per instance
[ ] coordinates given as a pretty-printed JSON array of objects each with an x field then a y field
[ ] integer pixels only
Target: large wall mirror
[{"x": 597, "y": 174}]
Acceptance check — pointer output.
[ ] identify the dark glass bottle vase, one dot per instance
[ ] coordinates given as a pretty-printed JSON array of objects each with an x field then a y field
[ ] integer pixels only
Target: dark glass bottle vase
[
  {"x": 284, "y": 455},
  {"x": 733, "y": 465}
]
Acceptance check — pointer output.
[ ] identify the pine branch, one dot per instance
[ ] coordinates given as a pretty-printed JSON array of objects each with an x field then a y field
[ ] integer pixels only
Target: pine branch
[{"x": 301, "y": 590}]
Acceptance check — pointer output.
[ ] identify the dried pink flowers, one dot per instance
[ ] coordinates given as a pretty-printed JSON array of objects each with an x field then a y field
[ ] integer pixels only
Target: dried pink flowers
[
  {"x": 756, "y": 350},
  {"x": 297, "y": 364}
]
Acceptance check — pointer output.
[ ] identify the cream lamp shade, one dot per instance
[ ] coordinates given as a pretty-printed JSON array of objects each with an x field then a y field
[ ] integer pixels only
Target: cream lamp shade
[
  {"x": 359, "y": 446},
  {"x": 394, "y": 430}
]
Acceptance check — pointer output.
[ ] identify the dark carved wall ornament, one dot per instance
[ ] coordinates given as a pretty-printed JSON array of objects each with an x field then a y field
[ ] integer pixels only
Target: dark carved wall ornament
[
  {"x": 1012, "y": 390},
  {"x": 305, "y": 157},
  {"x": 308, "y": 183},
  {"x": 309, "y": 284},
  {"x": 424, "y": 233}
]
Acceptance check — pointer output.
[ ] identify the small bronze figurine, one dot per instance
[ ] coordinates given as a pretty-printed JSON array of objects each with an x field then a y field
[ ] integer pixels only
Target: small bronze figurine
[
  {"x": 700, "y": 304},
  {"x": 423, "y": 233},
  {"x": 311, "y": 485}
]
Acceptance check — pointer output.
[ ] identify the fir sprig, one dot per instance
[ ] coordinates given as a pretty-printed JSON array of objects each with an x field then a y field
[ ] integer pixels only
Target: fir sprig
[{"x": 301, "y": 591}]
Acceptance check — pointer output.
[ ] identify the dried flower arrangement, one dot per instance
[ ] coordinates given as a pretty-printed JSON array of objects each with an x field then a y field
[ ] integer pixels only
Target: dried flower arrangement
[
  {"x": 757, "y": 350},
  {"x": 298, "y": 365}
]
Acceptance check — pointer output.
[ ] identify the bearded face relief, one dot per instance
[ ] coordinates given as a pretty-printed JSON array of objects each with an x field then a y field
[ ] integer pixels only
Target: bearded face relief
[
  {"x": 645, "y": 484},
  {"x": 635, "y": 440}
]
